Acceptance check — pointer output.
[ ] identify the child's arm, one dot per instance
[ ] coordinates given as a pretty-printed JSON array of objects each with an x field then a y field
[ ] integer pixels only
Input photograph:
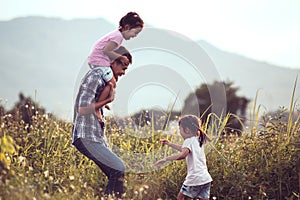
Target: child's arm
[
  {"x": 174, "y": 146},
  {"x": 109, "y": 51},
  {"x": 180, "y": 156}
]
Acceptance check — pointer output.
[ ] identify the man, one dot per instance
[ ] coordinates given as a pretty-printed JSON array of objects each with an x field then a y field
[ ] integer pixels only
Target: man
[{"x": 88, "y": 132}]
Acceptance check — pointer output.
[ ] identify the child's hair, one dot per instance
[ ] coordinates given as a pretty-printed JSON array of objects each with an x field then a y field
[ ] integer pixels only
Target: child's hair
[
  {"x": 193, "y": 123},
  {"x": 132, "y": 19},
  {"x": 124, "y": 52}
]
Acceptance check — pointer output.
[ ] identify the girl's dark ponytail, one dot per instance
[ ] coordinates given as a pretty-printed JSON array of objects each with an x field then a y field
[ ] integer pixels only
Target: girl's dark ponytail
[{"x": 202, "y": 137}]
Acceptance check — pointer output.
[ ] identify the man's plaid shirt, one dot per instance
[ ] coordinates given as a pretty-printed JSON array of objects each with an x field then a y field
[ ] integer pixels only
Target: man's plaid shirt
[{"x": 88, "y": 126}]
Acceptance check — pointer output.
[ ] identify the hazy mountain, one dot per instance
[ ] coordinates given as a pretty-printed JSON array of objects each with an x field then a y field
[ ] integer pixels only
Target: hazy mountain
[
  {"x": 42, "y": 58},
  {"x": 275, "y": 84}
]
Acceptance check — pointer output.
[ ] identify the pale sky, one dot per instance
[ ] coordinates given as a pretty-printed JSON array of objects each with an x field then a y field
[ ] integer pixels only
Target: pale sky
[{"x": 265, "y": 30}]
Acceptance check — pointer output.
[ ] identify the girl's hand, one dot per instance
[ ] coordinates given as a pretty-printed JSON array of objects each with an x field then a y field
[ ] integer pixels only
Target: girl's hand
[
  {"x": 164, "y": 142},
  {"x": 160, "y": 162},
  {"x": 124, "y": 60}
]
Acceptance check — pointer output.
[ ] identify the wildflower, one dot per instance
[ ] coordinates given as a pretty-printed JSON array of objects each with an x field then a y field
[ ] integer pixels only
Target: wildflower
[
  {"x": 141, "y": 189},
  {"x": 46, "y": 173},
  {"x": 22, "y": 160},
  {"x": 72, "y": 187},
  {"x": 47, "y": 196}
]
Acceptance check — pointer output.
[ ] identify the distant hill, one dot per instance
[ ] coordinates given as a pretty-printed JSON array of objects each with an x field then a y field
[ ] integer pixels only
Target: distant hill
[
  {"x": 42, "y": 58},
  {"x": 44, "y": 55},
  {"x": 275, "y": 84}
]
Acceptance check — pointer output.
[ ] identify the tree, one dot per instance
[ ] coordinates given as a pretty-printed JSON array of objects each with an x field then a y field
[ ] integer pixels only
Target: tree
[
  {"x": 201, "y": 101},
  {"x": 25, "y": 109},
  {"x": 2, "y": 110},
  {"x": 154, "y": 117}
]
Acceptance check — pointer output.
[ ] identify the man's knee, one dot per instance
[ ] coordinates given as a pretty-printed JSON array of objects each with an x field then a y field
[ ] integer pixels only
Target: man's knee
[
  {"x": 120, "y": 167},
  {"x": 119, "y": 174},
  {"x": 123, "y": 168}
]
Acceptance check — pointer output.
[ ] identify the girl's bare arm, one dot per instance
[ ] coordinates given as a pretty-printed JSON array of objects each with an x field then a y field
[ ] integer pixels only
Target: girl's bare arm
[
  {"x": 173, "y": 145},
  {"x": 179, "y": 156},
  {"x": 109, "y": 51}
]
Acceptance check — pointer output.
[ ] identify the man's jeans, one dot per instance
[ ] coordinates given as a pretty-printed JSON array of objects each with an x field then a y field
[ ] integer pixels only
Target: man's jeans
[{"x": 108, "y": 162}]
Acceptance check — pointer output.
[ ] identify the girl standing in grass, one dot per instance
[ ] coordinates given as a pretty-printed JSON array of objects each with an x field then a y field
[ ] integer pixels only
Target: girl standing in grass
[
  {"x": 103, "y": 52},
  {"x": 198, "y": 180}
]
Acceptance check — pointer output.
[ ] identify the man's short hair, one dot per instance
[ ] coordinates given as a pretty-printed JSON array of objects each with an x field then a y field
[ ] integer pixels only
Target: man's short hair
[{"x": 124, "y": 52}]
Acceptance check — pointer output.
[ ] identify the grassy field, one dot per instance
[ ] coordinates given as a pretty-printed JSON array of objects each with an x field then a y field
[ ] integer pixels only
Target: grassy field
[{"x": 262, "y": 163}]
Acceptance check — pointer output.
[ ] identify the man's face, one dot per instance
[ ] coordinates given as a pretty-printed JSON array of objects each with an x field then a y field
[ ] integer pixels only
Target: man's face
[{"x": 118, "y": 69}]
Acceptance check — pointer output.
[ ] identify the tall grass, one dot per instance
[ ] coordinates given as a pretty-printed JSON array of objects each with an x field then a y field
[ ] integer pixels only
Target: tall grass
[
  {"x": 291, "y": 128},
  {"x": 43, "y": 164}
]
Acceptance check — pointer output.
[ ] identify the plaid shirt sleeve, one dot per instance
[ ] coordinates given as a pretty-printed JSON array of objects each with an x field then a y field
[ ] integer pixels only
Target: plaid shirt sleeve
[
  {"x": 89, "y": 89},
  {"x": 88, "y": 126}
]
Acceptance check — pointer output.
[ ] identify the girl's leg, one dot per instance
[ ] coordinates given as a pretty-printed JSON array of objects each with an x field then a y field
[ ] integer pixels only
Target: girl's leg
[
  {"x": 105, "y": 92},
  {"x": 104, "y": 95},
  {"x": 181, "y": 196}
]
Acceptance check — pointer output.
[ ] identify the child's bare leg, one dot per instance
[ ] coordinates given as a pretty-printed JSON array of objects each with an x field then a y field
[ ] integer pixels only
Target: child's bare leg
[
  {"x": 104, "y": 95},
  {"x": 99, "y": 115},
  {"x": 181, "y": 196},
  {"x": 113, "y": 82}
]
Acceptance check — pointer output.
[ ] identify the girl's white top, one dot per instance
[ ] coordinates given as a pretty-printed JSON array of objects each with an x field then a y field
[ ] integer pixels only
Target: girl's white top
[{"x": 196, "y": 163}]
